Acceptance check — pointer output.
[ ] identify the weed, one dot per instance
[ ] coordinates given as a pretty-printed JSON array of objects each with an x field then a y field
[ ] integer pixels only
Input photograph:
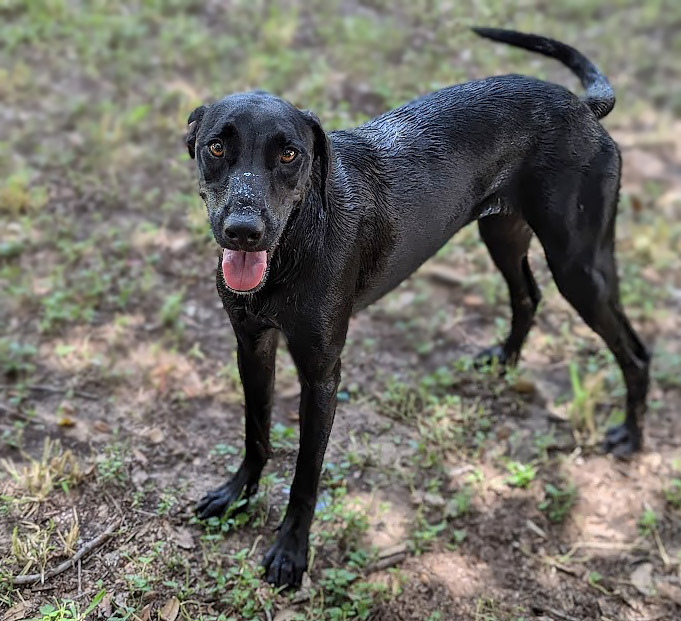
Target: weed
[
  {"x": 68, "y": 610},
  {"x": 672, "y": 493},
  {"x": 283, "y": 437},
  {"x": 16, "y": 358},
  {"x": 648, "y": 522},
  {"x": 170, "y": 312},
  {"x": 424, "y": 533},
  {"x": 240, "y": 584},
  {"x": 520, "y": 475},
  {"x": 585, "y": 397},
  {"x": 20, "y": 195},
  {"x": 13, "y": 437},
  {"x": 345, "y": 597},
  {"x": 112, "y": 464},
  {"x": 460, "y": 503},
  {"x": 339, "y": 521},
  {"x": 558, "y": 501},
  {"x": 166, "y": 502}
]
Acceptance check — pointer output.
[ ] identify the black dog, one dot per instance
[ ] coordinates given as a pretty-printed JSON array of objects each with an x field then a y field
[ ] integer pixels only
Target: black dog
[{"x": 317, "y": 226}]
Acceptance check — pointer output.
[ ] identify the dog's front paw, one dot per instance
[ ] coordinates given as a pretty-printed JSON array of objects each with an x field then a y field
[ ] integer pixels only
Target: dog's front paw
[
  {"x": 622, "y": 442},
  {"x": 216, "y": 502},
  {"x": 286, "y": 561}
]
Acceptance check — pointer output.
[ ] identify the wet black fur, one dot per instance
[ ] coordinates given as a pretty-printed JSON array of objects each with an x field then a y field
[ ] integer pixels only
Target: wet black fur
[{"x": 359, "y": 210}]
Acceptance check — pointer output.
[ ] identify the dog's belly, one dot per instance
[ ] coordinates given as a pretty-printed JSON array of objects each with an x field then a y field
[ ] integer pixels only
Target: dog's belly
[{"x": 412, "y": 245}]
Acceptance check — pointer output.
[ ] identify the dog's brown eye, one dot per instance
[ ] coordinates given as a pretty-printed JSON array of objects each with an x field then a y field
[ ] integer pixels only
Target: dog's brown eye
[
  {"x": 288, "y": 155},
  {"x": 216, "y": 148}
]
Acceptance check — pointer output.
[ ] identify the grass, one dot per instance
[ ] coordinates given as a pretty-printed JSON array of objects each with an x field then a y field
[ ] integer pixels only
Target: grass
[
  {"x": 106, "y": 263},
  {"x": 65, "y": 609},
  {"x": 56, "y": 468}
]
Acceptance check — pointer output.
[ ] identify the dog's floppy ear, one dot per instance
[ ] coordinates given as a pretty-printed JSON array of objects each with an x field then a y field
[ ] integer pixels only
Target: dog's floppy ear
[
  {"x": 322, "y": 152},
  {"x": 193, "y": 123}
]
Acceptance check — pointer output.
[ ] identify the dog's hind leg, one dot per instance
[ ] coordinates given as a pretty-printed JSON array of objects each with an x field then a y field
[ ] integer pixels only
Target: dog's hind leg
[
  {"x": 507, "y": 238},
  {"x": 578, "y": 238},
  {"x": 256, "y": 353}
]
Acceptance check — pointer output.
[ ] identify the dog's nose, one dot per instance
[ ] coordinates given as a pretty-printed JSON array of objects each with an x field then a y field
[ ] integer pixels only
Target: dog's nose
[{"x": 245, "y": 230}]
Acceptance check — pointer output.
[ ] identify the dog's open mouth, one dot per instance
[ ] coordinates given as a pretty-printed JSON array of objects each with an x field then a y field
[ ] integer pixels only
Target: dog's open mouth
[{"x": 243, "y": 271}]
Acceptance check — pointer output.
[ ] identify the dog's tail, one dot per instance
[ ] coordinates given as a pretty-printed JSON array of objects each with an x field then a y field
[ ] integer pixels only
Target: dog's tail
[{"x": 599, "y": 95}]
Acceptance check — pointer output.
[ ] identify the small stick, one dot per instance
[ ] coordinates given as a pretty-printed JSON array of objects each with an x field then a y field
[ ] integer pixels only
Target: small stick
[
  {"x": 88, "y": 547},
  {"x": 660, "y": 547},
  {"x": 265, "y": 608},
  {"x": 385, "y": 563},
  {"x": 558, "y": 613},
  {"x": 54, "y": 390},
  {"x": 564, "y": 568}
]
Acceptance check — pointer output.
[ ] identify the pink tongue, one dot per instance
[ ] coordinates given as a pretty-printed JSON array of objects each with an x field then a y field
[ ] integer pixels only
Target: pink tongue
[{"x": 242, "y": 270}]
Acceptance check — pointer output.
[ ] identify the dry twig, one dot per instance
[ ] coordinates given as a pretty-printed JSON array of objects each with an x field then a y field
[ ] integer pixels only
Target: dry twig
[
  {"x": 54, "y": 390},
  {"x": 88, "y": 547}
]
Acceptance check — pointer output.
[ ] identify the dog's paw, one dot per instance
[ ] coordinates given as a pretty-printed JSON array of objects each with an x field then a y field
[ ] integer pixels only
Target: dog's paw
[
  {"x": 286, "y": 561},
  {"x": 491, "y": 356},
  {"x": 216, "y": 502},
  {"x": 621, "y": 442}
]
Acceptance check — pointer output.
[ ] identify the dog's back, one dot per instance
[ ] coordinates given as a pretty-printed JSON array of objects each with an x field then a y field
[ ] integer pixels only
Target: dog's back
[{"x": 439, "y": 162}]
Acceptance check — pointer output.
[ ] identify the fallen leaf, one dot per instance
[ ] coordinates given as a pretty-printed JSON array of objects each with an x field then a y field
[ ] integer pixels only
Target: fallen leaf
[
  {"x": 286, "y": 614},
  {"x": 651, "y": 274},
  {"x": 636, "y": 203},
  {"x": 473, "y": 300},
  {"x": 139, "y": 477},
  {"x": 170, "y": 610},
  {"x": 434, "y": 500},
  {"x": 16, "y": 612},
  {"x": 642, "y": 578},
  {"x": 155, "y": 435},
  {"x": 101, "y": 426},
  {"x": 145, "y": 615},
  {"x": 640, "y": 164},
  {"x": 669, "y": 591},
  {"x": 443, "y": 273},
  {"x": 105, "y": 607},
  {"x": 399, "y": 548},
  {"x": 183, "y": 538},
  {"x": 139, "y": 456},
  {"x": 290, "y": 392},
  {"x": 523, "y": 386},
  {"x": 66, "y": 408}
]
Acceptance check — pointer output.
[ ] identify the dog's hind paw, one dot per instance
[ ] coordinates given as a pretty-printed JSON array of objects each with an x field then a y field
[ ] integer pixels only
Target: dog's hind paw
[
  {"x": 495, "y": 355},
  {"x": 622, "y": 442},
  {"x": 216, "y": 502}
]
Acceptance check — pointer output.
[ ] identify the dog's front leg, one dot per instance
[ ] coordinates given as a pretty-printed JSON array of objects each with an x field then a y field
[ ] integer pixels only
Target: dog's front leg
[
  {"x": 256, "y": 353},
  {"x": 286, "y": 560}
]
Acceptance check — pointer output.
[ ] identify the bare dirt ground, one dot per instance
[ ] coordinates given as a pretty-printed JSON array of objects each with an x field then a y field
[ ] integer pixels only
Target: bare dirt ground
[{"x": 448, "y": 493}]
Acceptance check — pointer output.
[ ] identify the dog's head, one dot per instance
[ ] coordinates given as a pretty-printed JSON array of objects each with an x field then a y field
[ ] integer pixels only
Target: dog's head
[{"x": 255, "y": 155}]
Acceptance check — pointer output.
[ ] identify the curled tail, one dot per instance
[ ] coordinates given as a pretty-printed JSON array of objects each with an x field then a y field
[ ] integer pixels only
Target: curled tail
[{"x": 599, "y": 95}]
